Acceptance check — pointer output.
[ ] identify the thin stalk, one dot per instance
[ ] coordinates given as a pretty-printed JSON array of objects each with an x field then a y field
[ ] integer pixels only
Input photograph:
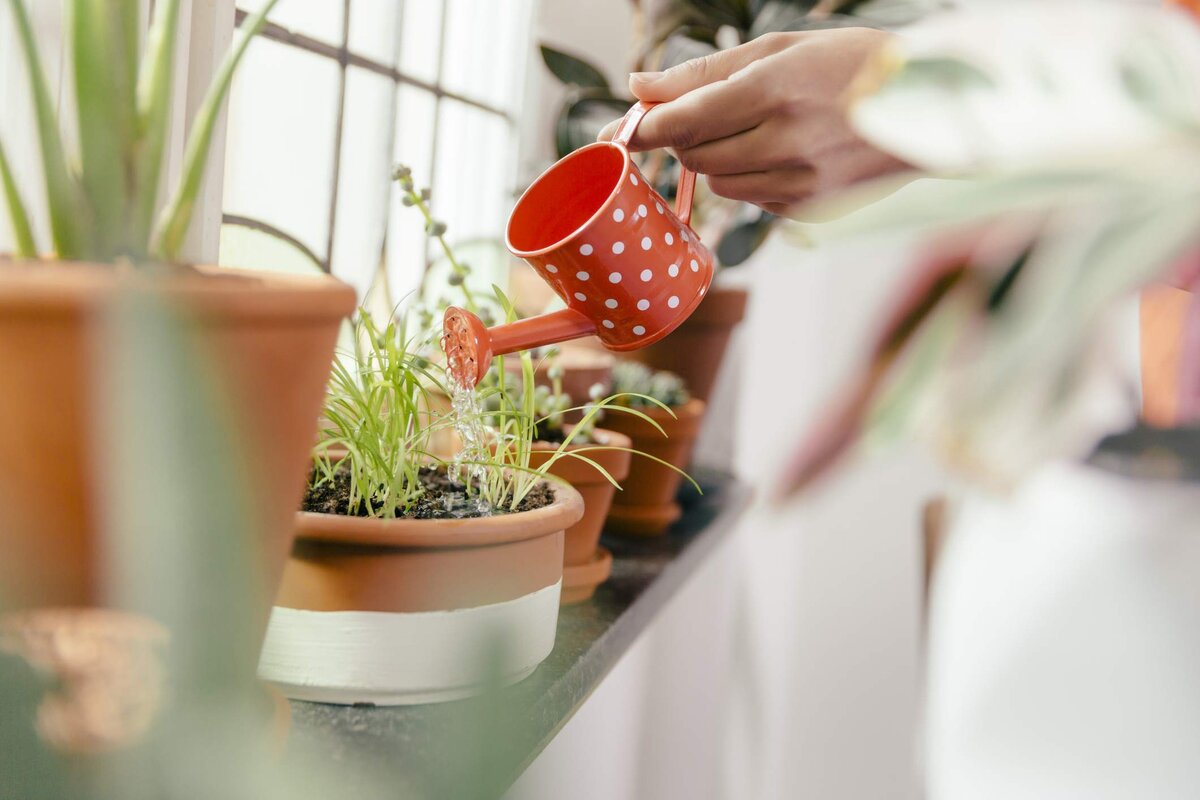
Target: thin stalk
[
  {"x": 419, "y": 203},
  {"x": 177, "y": 216},
  {"x": 17, "y": 215}
]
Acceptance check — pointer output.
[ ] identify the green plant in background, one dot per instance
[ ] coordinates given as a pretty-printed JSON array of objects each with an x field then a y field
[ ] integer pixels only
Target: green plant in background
[
  {"x": 377, "y": 423},
  {"x": 636, "y": 383},
  {"x": 102, "y": 206}
]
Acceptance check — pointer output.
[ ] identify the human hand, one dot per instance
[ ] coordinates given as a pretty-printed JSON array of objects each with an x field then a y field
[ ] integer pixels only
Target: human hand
[{"x": 765, "y": 121}]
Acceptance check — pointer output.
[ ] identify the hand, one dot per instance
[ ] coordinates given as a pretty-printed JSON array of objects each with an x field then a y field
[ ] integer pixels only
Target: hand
[{"x": 766, "y": 121}]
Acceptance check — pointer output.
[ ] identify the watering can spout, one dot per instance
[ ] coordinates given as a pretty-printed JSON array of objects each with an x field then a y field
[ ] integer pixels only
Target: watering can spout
[{"x": 470, "y": 346}]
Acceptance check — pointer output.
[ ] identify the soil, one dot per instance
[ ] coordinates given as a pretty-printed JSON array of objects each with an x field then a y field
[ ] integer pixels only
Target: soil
[{"x": 443, "y": 498}]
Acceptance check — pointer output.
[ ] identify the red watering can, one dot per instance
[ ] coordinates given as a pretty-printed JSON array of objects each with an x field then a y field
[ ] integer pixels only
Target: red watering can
[{"x": 628, "y": 267}]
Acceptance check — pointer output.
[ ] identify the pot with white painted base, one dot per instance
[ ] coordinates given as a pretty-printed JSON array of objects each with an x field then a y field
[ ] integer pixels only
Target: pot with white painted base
[{"x": 406, "y": 611}]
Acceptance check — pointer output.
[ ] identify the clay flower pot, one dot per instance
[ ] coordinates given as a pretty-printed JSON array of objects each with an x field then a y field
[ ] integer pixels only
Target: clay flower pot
[
  {"x": 273, "y": 337},
  {"x": 1164, "y": 313},
  {"x": 404, "y": 611},
  {"x": 646, "y": 506},
  {"x": 586, "y": 565},
  {"x": 695, "y": 350}
]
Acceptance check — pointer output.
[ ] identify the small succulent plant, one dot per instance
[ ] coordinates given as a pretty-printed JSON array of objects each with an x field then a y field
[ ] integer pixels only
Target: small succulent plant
[{"x": 633, "y": 381}]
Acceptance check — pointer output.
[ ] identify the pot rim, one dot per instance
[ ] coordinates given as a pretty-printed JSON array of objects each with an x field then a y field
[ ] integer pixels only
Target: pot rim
[
  {"x": 565, "y": 511},
  {"x": 60, "y": 286}
]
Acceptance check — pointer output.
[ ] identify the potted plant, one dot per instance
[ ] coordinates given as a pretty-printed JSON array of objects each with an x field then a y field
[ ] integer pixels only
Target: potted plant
[
  {"x": 270, "y": 337},
  {"x": 647, "y": 506},
  {"x": 408, "y": 568}
]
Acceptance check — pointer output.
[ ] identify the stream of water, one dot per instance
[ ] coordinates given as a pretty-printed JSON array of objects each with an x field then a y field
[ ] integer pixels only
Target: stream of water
[{"x": 468, "y": 424}]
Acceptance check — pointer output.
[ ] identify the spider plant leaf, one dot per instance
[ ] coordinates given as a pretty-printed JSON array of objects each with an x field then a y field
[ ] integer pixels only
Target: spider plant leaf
[
  {"x": 153, "y": 111},
  {"x": 17, "y": 214},
  {"x": 68, "y": 215},
  {"x": 102, "y": 142},
  {"x": 177, "y": 216}
]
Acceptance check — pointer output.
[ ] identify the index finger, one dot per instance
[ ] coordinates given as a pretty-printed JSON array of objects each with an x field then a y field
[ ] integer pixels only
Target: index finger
[{"x": 714, "y": 111}]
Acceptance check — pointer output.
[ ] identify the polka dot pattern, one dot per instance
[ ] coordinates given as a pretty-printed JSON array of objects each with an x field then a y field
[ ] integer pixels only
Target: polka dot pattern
[{"x": 602, "y": 277}]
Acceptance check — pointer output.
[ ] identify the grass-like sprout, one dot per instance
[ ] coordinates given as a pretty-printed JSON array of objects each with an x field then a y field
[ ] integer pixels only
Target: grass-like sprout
[{"x": 377, "y": 420}]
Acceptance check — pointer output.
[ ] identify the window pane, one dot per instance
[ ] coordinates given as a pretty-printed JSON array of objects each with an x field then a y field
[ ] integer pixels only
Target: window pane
[
  {"x": 486, "y": 47},
  {"x": 373, "y": 29},
  {"x": 416, "y": 110},
  {"x": 363, "y": 178},
  {"x": 317, "y": 19},
  {"x": 420, "y": 39},
  {"x": 279, "y": 159},
  {"x": 253, "y": 249},
  {"x": 474, "y": 170}
]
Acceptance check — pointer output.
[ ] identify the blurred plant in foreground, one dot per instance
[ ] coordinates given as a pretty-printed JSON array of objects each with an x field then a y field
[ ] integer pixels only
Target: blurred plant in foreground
[{"x": 1065, "y": 137}]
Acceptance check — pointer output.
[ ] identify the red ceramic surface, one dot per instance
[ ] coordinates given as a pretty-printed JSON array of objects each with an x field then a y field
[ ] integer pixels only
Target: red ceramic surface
[{"x": 628, "y": 267}]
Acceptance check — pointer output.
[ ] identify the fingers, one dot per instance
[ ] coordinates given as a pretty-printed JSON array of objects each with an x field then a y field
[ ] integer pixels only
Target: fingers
[
  {"x": 608, "y": 131},
  {"x": 760, "y": 149},
  {"x": 659, "y": 87},
  {"x": 777, "y": 187},
  {"x": 711, "y": 112}
]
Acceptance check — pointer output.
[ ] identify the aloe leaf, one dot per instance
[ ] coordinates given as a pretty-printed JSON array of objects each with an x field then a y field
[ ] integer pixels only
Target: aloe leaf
[
  {"x": 153, "y": 111},
  {"x": 67, "y": 211},
  {"x": 17, "y": 215},
  {"x": 98, "y": 108},
  {"x": 177, "y": 216}
]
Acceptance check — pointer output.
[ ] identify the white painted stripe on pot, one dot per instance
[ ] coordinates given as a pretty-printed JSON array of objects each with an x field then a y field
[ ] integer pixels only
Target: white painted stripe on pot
[{"x": 391, "y": 659}]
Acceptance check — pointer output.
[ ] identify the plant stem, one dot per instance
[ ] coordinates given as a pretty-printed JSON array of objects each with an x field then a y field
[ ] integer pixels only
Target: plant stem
[{"x": 26, "y": 248}]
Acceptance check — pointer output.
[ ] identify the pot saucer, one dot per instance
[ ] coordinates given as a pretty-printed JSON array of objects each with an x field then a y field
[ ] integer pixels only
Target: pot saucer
[{"x": 580, "y": 581}]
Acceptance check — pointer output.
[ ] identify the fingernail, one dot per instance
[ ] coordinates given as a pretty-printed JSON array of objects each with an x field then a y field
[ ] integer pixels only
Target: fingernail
[{"x": 644, "y": 77}]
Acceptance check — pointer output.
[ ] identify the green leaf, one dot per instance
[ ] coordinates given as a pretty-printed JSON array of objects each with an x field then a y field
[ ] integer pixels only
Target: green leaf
[
  {"x": 573, "y": 71},
  {"x": 177, "y": 216},
  {"x": 17, "y": 215},
  {"x": 98, "y": 107},
  {"x": 154, "y": 112},
  {"x": 583, "y": 116},
  {"x": 68, "y": 215},
  {"x": 740, "y": 241}
]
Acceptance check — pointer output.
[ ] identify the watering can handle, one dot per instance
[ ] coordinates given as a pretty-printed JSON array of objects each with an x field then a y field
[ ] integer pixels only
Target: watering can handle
[{"x": 687, "y": 178}]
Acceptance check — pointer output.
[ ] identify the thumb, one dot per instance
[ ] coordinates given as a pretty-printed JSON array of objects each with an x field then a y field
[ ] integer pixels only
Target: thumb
[{"x": 659, "y": 87}]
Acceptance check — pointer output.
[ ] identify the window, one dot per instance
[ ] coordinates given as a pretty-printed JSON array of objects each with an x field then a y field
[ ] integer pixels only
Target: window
[{"x": 333, "y": 93}]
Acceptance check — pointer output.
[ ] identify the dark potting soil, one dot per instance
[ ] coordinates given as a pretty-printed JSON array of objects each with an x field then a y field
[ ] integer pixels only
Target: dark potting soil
[{"x": 443, "y": 497}]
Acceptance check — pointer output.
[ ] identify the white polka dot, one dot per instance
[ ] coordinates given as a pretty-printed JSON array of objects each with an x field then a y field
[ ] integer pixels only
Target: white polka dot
[
  {"x": 642, "y": 212},
  {"x": 673, "y": 270},
  {"x": 683, "y": 235},
  {"x": 643, "y": 305},
  {"x": 668, "y": 238},
  {"x": 618, "y": 215},
  {"x": 583, "y": 276},
  {"x": 610, "y": 303},
  {"x": 638, "y": 330},
  {"x": 586, "y": 250},
  {"x": 614, "y": 277},
  {"x": 551, "y": 269},
  {"x": 580, "y": 296},
  {"x": 646, "y": 242},
  {"x": 618, "y": 247},
  {"x": 695, "y": 266},
  {"x": 633, "y": 178},
  {"x": 658, "y": 207},
  {"x": 672, "y": 302},
  {"x": 607, "y": 323},
  {"x": 646, "y": 275}
]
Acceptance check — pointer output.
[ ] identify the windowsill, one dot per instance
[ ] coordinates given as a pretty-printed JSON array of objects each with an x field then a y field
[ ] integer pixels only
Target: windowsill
[{"x": 435, "y": 750}]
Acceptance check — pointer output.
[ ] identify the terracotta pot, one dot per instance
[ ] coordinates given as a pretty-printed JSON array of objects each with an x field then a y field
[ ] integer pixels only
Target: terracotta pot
[
  {"x": 646, "y": 506},
  {"x": 1163, "y": 313},
  {"x": 696, "y": 349},
  {"x": 403, "y": 611},
  {"x": 586, "y": 565},
  {"x": 273, "y": 338}
]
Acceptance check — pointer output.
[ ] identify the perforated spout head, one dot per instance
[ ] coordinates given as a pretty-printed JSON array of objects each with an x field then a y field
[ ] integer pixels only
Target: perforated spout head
[{"x": 467, "y": 345}]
